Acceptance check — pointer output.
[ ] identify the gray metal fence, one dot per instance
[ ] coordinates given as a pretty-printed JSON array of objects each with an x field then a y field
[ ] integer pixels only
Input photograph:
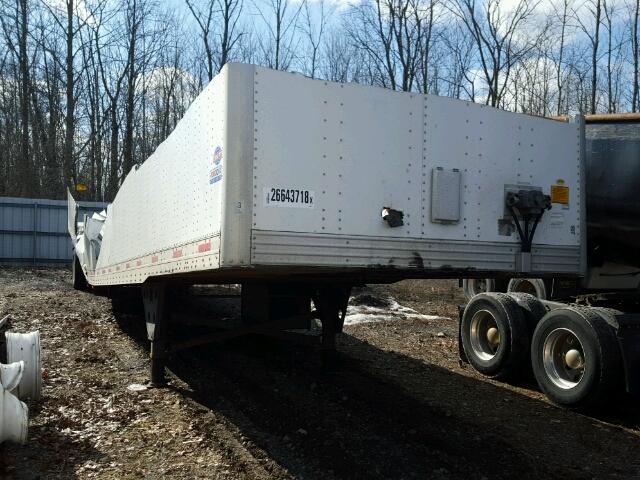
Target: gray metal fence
[{"x": 34, "y": 231}]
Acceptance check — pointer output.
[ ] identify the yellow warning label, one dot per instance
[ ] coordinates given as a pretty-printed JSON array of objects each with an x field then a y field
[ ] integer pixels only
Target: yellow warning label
[{"x": 560, "y": 194}]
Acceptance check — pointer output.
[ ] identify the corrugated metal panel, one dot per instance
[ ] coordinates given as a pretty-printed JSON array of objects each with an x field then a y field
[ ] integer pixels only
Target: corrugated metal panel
[
  {"x": 288, "y": 248},
  {"x": 34, "y": 231},
  {"x": 553, "y": 258}
]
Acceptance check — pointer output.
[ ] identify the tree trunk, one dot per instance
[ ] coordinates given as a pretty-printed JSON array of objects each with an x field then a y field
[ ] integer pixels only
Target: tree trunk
[
  {"x": 113, "y": 160},
  {"x": 67, "y": 152},
  {"x": 127, "y": 149},
  {"x": 26, "y": 176},
  {"x": 594, "y": 56},
  {"x": 635, "y": 104}
]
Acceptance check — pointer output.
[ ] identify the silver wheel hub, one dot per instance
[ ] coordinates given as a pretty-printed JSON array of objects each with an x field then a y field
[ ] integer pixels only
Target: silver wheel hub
[
  {"x": 484, "y": 335},
  {"x": 563, "y": 358}
]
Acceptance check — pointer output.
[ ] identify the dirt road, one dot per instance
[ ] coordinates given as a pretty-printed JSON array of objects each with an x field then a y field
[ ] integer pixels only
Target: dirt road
[{"x": 400, "y": 406}]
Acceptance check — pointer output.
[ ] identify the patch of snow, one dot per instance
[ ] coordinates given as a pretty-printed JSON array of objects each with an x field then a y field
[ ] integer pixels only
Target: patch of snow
[
  {"x": 364, "y": 314},
  {"x": 136, "y": 387}
]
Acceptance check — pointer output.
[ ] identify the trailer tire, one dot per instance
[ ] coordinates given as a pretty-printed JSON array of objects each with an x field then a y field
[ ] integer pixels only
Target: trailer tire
[
  {"x": 495, "y": 336},
  {"x": 473, "y": 286},
  {"x": 532, "y": 308},
  {"x": 533, "y": 286},
  {"x": 79, "y": 279},
  {"x": 575, "y": 357}
]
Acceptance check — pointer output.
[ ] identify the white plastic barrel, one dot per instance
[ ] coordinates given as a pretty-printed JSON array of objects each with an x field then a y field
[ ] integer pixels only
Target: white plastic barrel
[{"x": 26, "y": 347}]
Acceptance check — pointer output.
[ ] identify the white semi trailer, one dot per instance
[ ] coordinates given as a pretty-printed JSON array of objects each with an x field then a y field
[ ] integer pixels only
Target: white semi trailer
[{"x": 299, "y": 189}]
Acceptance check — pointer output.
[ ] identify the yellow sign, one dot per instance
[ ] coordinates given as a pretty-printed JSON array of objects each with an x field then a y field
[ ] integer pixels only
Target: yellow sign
[
  {"x": 560, "y": 194},
  {"x": 81, "y": 187}
]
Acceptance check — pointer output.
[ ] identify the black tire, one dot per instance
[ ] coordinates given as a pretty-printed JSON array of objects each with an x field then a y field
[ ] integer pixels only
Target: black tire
[
  {"x": 510, "y": 358},
  {"x": 602, "y": 371},
  {"x": 473, "y": 286},
  {"x": 532, "y": 308},
  {"x": 534, "y": 286},
  {"x": 79, "y": 280},
  {"x": 608, "y": 315}
]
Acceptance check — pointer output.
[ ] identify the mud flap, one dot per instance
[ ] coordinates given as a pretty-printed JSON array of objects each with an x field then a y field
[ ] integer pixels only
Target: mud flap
[
  {"x": 461, "y": 352},
  {"x": 628, "y": 333}
]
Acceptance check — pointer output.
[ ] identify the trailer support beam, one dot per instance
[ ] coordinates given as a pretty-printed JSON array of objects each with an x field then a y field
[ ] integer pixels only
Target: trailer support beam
[
  {"x": 331, "y": 302},
  {"x": 153, "y": 296}
]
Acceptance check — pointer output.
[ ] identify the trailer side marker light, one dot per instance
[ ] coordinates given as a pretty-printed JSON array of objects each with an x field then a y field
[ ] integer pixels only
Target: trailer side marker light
[{"x": 204, "y": 247}]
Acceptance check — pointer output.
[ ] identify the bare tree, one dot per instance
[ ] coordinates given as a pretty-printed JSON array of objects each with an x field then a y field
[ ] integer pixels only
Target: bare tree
[
  {"x": 563, "y": 17},
  {"x": 70, "y": 21},
  {"x": 280, "y": 19},
  {"x": 27, "y": 186},
  {"x": 112, "y": 78},
  {"x": 425, "y": 23},
  {"x": 204, "y": 18},
  {"x": 635, "y": 53},
  {"x": 592, "y": 31},
  {"x": 222, "y": 13},
  {"x": 134, "y": 19},
  {"x": 95, "y": 114},
  {"x": 499, "y": 38},
  {"x": 145, "y": 39},
  {"x": 88, "y": 89},
  {"x": 459, "y": 55},
  {"x": 15, "y": 25},
  {"x": 396, "y": 36},
  {"x": 609, "y": 12},
  {"x": 314, "y": 29},
  {"x": 340, "y": 61},
  {"x": 230, "y": 35}
]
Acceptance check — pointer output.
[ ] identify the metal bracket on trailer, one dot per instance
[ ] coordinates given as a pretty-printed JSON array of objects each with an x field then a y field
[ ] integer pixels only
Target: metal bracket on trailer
[{"x": 277, "y": 328}]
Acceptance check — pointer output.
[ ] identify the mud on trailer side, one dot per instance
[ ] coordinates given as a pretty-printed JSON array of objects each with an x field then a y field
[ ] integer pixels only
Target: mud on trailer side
[
  {"x": 581, "y": 336},
  {"x": 299, "y": 189}
]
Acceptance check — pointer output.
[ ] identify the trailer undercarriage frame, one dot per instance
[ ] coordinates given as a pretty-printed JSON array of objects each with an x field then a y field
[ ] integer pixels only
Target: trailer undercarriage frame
[{"x": 258, "y": 317}]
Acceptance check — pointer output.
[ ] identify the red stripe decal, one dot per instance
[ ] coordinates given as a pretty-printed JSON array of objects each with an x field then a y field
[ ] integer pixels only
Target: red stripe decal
[
  {"x": 204, "y": 247},
  {"x": 177, "y": 253},
  {"x": 154, "y": 258}
]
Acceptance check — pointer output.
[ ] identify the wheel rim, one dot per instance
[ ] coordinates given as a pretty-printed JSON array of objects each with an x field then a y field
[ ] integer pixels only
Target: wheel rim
[
  {"x": 484, "y": 335},
  {"x": 563, "y": 358}
]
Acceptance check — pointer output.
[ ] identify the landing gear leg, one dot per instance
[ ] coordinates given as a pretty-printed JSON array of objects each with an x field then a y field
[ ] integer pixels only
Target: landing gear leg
[
  {"x": 153, "y": 295},
  {"x": 331, "y": 303}
]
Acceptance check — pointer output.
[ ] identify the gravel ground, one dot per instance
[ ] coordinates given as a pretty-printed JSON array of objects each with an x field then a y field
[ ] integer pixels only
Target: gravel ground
[{"x": 400, "y": 406}]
